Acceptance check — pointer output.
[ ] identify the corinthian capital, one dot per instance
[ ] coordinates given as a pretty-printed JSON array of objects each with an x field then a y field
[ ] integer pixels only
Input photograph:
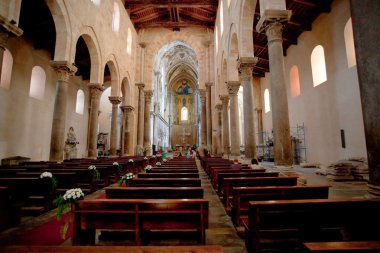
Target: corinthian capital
[
  {"x": 140, "y": 86},
  {"x": 225, "y": 99},
  {"x": 233, "y": 87},
  {"x": 148, "y": 95},
  {"x": 115, "y": 100},
  {"x": 63, "y": 69},
  {"x": 127, "y": 108}
]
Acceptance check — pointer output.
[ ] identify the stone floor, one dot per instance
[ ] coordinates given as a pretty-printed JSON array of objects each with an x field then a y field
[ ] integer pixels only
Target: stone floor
[{"x": 220, "y": 231}]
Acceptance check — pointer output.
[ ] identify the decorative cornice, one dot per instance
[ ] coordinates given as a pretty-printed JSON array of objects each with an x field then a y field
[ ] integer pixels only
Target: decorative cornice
[
  {"x": 233, "y": 87},
  {"x": 148, "y": 94},
  {"x": 246, "y": 62},
  {"x": 63, "y": 69},
  {"x": 95, "y": 89},
  {"x": 8, "y": 29},
  {"x": 273, "y": 16},
  {"x": 115, "y": 100}
]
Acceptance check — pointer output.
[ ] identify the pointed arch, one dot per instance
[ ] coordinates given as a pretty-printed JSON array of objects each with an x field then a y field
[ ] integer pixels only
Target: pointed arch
[
  {"x": 247, "y": 10},
  {"x": 126, "y": 92},
  {"x": 113, "y": 77},
  {"x": 233, "y": 55}
]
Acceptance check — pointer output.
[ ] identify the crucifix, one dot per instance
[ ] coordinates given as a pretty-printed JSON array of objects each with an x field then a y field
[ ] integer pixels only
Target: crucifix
[{"x": 184, "y": 135}]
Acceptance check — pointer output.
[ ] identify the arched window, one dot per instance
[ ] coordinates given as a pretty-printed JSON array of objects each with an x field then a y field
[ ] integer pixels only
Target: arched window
[
  {"x": 96, "y": 2},
  {"x": 37, "y": 83},
  {"x": 80, "y": 102},
  {"x": 129, "y": 42},
  {"x": 266, "y": 101},
  {"x": 349, "y": 41},
  {"x": 115, "y": 17},
  {"x": 294, "y": 82},
  {"x": 318, "y": 65},
  {"x": 184, "y": 114},
  {"x": 6, "y": 70}
]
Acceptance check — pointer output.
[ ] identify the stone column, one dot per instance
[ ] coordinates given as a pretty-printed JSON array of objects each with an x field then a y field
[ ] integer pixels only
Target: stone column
[
  {"x": 245, "y": 66},
  {"x": 127, "y": 126},
  {"x": 258, "y": 116},
  {"x": 279, "y": 100},
  {"x": 233, "y": 88},
  {"x": 365, "y": 14},
  {"x": 208, "y": 115},
  {"x": 202, "y": 95},
  {"x": 96, "y": 91},
  {"x": 148, "y": 99},
  {"x": 57, "y": 142},
  {"x": 115, "y": 101},
  {"x": 219, "y": 149},
  {"x": 140, "y": 121},
  {"x": 225, "y": 124}
]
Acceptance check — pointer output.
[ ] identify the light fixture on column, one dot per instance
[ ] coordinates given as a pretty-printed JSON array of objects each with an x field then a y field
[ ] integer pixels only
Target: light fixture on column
[{"x": 272, "y": 10}]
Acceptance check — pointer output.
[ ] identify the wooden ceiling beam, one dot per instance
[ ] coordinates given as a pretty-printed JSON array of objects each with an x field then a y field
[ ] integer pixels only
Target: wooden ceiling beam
[
  {"x": 167, "y": 3},
  {"x": 146, "y": 18},
  {"x": 181, "y": 24},
  {"x": 197, "y": 16}
]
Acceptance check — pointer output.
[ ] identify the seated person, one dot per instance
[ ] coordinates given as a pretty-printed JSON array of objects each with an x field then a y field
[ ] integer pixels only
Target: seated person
[
  {"x": 236, "y": 164},
  {"x": 255, "y": 164}
]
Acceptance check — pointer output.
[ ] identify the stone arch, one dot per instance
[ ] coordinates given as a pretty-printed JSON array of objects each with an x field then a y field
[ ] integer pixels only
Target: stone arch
[
  {"x": 113, "y": 79},
  {"x": 63, "y": 31},
  {"x": 233, "y": 56},
  {"x": 247, "y": 11},
  {"x": 88, "y": 34},
  {"x": 114, "y": 75}
]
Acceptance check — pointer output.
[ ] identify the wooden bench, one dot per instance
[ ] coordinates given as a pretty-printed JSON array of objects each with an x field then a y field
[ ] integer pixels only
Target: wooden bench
[
  {"x": 168, "y": 175},
  {"x": 9, "y": 211},
  {"x": 284, "y": 225},
  {"x": 242, "y": 195},
  {"x": 165, "y": 182},
  {"x": 343, "y": 247},
  {"x": 157, "y": 170},
  {"x": 140, "y": 216},
  {"x": 222, "y": 176},
  {"x": 154, "y": 192},
  {"x": 113, "y": 249},
  {"x": 230, "y": 182},
  {"x": 216, "y": 171}
]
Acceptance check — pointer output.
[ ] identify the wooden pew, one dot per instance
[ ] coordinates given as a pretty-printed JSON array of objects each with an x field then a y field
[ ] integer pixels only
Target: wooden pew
[
  {"x": 154, "y": 192},
  {"x": 168, "y": 175},
  {"x": 343, "y": 247},
  {"x": 216, "y": 171},
  {"x": 113, "y": 249},
  {"x": 284, "y": 225},
  {"x": 9, "y": 211},
  {"x": 242, "y": 195},
  {"x": 165, "y": 182},
  {"x": 140, "y": 216},
  {"x": 157, "y": 170},
  {"x": 230, "y": 182},
  {"x": 222, "y": 176}
]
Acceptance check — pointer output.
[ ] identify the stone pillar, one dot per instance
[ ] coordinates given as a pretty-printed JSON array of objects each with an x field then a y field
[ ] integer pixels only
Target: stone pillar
[
  {"x": 7, "y": 29},
  {"x": 219, "y": 149},
  {"x": 140, "y": 121},
  {"x": 233, "y": 88},
  {"x": 127, "y": 126},
  {"x": 245, "y": 66},
  {"x": 202, "y": 94},
  {"x": 365, "y": 14},
  {"x": 273, "y": 25},
  {"x": 209, "y": 115},
  {"x": 226, "y": 127},
  {"x": 96, "y": 91},
  {"x": 148, "y": 99},
  {"x": 57, "y": 142},
  {"x": 115, "y": 101},
  {"x": 258, "y": 116}
]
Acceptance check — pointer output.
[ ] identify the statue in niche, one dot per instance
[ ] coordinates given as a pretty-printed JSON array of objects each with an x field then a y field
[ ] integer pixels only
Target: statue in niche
[
  {"x": 71, "y": 144},
  {"x": 184, "y": 88}
]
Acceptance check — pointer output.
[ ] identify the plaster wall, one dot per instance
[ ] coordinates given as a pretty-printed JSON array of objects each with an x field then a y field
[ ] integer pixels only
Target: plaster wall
[{"x": 333, "y": 105}]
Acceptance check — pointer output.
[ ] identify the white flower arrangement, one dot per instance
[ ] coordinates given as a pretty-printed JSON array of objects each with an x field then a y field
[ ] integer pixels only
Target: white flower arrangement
[
  {"x": 148, "y": 167},
  {"x": 130, "y": 161},
  {"x": 126, "y": 177},
  {"x": 158, "y": 164},
  {"x": 73, "y": 194},
  {"x": 115, "y": 164},
  {"x": 46, "y": 174},
  {"x": 164, "y": 160},
  {"x": 119, "y": 167},
  {"x": 154, "y": 156},
  {"x": 95, "y": 173},
  {"x": 145, "y": 158}
]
